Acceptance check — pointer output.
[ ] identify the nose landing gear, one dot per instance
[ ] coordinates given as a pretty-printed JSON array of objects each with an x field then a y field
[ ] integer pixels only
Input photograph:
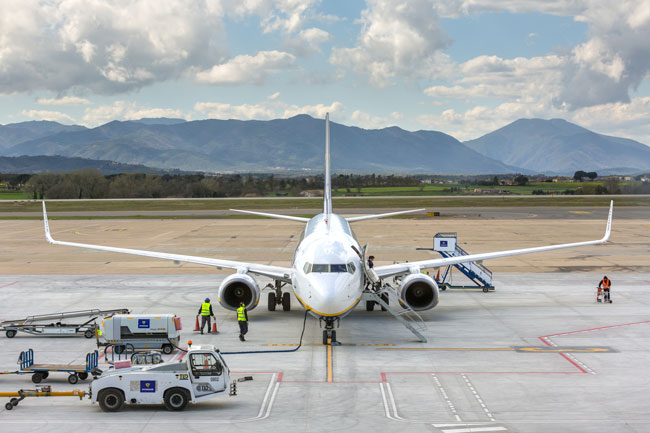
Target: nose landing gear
[{"x": 329, "y": 334}]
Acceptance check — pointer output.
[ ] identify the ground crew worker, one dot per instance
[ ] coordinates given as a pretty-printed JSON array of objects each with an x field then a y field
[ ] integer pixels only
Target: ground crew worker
[
  {"x": 206, "y": 312},
  {"x": 605, "y": 283},
  {"x": 371, "y": 263},
  {"x": 242, "y": 319}
]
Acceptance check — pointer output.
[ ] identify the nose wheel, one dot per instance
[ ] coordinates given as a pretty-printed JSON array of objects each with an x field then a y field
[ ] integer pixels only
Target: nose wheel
[{"x": 329, "y": 333}]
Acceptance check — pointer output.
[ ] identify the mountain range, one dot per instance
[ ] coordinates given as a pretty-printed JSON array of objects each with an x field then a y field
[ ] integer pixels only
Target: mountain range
[{"x": 296, "y": 145}]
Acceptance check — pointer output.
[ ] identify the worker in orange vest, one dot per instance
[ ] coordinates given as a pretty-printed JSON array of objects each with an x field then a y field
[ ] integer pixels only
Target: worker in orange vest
[{"x": 605, "y": 285}]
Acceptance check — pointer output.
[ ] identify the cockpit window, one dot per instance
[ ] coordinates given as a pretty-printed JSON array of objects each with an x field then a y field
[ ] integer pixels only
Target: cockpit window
[
  {"x": 338, "y": 268},
  {"x": 320, "y": 268},
  {"x": 351, "y": 268},
  {"x": 307, "y": 268}
]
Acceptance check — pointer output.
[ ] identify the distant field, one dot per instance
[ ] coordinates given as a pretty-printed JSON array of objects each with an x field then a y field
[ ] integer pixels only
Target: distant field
[
  {"x": 14, "y": 195},
  {"x": 316, "y": 203}
]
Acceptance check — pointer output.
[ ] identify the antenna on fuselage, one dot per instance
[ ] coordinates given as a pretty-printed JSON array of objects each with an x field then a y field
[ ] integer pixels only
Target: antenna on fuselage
[{"x": 327, "y": 189}]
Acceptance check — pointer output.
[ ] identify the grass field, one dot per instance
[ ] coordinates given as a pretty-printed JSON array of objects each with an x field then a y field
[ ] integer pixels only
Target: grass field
[
  {"x": 316, "y": 203},
  {"x": 14, "y": 195}
]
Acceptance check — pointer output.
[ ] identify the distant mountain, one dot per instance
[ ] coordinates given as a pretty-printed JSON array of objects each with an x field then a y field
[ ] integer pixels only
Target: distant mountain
[
  {"x": 37, "y": 164},
  {"x": 16, "y": 133},
  {"x": 159, "y": 121},
  {"x": 276, "y": 145},
  {"x": 558, "y": 147}
]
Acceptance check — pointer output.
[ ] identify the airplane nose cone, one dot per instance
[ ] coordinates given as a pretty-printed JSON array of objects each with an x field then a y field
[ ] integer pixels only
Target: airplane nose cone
[{"x": 328, "y": 296}]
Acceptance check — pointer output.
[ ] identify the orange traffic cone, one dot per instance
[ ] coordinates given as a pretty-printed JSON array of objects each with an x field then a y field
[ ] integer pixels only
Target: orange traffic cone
[
  {"x": 437, "y": 279},
  {"x": 197, "y": 327},
  {"x": 214, "y": 327}
]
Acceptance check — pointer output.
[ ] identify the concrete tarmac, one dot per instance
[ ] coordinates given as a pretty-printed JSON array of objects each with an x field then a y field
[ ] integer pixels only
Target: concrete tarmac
[{"x": 537, "y": 354}]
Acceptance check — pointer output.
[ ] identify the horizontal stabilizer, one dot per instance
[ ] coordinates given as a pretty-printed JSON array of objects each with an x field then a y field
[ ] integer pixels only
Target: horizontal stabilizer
[
  {"x": 381, "y": 215},
  {"x": 273, "y": 215}
]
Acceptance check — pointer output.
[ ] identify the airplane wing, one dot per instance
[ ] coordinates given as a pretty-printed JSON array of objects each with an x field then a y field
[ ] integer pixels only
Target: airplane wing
[
  {"x": 381, "y": 215},
  {"x": 273, "y": 215},
  {"x": 275, "y": 272},
  {"x": 403, "y": 268}
]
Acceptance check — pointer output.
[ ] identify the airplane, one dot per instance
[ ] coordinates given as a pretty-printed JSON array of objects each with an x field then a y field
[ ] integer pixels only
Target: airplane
[{"x": 329, "y": 272}]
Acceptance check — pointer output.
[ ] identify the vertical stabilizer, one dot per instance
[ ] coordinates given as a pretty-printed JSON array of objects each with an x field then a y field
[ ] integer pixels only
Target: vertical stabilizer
[{"x": 327, "y": 190}]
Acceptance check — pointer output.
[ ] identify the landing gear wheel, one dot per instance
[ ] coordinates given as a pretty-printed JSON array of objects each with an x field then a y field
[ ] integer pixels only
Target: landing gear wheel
[
  {"x": 37, "y": 377},
  {"x": 325, "y": 338},
  {"x": 167, "y": 349},
  {"x": 83, "y": 376},
  {"x": 333, "y": 337},
  {"x": 176, "y": 399},
  {"x": 45, "y": 374},
  {"x": 370, "y": 305},
  {"x": 271, "y": 301},
  {"x": 110, "y": 400},
  {"x": 72, "y": 379},
  {"x": 89, "y": 334},
  {"x": 386, "y": 300},
  {"x": 286, "y": 301},
  {"x": 11, "y": 333}
]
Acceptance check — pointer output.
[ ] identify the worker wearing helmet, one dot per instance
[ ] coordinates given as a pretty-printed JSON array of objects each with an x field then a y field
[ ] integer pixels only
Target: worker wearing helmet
[
  {"x": 206, "y": 312},
  {"x": 242, "y": 319}
]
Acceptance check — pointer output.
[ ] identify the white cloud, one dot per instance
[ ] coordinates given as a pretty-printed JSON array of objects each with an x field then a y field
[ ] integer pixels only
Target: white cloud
[
  {"x": 397, "y": 39},
  {"x": 368, "y": 121},
  {"x": 246, "y": 69},
  {"x": 66, "y": 100},
  {"x": 273, "y": 96},
  {"x": 286, "y": 16},
  {"x": 54, "y": 116},
  {"x": 317, "y": 111},
  {"x": 217, "y": 110},
  {"x": 125, "y": 110},
  {"x": 308, "y": 41}
]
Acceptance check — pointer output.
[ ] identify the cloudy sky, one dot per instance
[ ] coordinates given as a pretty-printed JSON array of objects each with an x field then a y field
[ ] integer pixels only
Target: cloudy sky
[{"x": 464, "y": 67}]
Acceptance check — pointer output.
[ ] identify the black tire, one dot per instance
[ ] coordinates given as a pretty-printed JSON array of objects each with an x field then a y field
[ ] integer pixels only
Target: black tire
[
  {"x": 9, "y": 406},
  {"x": 37, "y": 377},
  {"x": 286, "y": 301},
  {"x": 89, "y": 333},
  {"x": 271, "y": 301},
  {"x": 11, "y": 333},
  {"x": 176, "y": 399},
  {"x": 325, "y": 338},
  {"x": 167, "y": 349},
  {"x": 485, "y": 289},
  {"x": 44, "y": 374},
  {"x": 110, "y": 400},
  {"x": 333, "y": 336},
  {"x": 119, "y": 349},
  {"x": 14, "y": 401},
  {"x": 83, "y": 375},
  {"x": 386, "y": 300},
  {"x": 370, "y": 305},
  {"x": 73, "y": 378}
]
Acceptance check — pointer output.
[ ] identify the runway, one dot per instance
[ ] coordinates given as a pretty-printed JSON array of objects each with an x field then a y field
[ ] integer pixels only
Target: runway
[{"x": 472, "y": 375}]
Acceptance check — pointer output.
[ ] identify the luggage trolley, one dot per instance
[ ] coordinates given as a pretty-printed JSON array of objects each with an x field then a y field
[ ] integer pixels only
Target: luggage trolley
[{"x": 42, "y": 371}]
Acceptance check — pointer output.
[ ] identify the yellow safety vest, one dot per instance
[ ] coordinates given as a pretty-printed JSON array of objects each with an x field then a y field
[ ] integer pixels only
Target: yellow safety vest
[
  {"x": 241, "y": 314},
  {"x": 205, "y": 309}
]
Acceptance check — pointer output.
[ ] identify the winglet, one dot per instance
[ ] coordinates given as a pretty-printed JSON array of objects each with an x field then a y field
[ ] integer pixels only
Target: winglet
[
  {"x": 608, "y": 230},
  {"x": 48, "y": 236}
]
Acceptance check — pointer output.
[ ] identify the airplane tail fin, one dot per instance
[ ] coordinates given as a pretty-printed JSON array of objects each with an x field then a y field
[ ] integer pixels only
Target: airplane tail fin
[{"x": 327, "y": 189}]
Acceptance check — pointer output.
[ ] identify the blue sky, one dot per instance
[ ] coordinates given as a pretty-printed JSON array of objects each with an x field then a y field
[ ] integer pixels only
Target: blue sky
[{"x": 463, "y": 67}]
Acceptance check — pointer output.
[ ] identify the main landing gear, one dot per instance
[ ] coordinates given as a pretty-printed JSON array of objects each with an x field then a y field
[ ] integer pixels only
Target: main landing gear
[
  {"x": 276, "y": 297},
  {"x": 329, "y": 334}
]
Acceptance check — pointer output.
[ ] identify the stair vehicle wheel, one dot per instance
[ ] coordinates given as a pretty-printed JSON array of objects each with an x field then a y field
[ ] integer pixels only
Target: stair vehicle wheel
[
  {"x": 167, "y": 349},
  {"x": 485, "y": 289},
  {"x": 370, "y": 305},
  {"x": 271, "y": 301},
  {"x": 176, "y": 399},
  {"x": 37, "y": 377},
  {"x": 73, "y": 378},
  {"x": 83, "y": 375},
  {"x": 11, "y": 333},
  {"x": 9, "y": 406},
  {"x": 89, "y": 333},
  {"x": 384, "y": 298},
  {"x": 286, "y": 301},
  {"x": 110, "y": 400},
  {"x": 44, "y": 374},
  {"x": 325, "y": 337}
]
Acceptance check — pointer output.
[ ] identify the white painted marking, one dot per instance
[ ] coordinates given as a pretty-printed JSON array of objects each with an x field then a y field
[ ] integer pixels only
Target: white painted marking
[
  {"x": 474, "y": 429},
  {"x": 478, "y": 398},
  {"x": 451, "y": 406}
]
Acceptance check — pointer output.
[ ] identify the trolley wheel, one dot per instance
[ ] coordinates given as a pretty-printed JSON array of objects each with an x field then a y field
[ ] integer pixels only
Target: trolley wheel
[
  {"x": 271, "y": 301},
  {"x": 370, "y": 305},
  {"x": 89, "y": 333},
  {"x": 73, "y": 378},
  {"x": 37, "y": 377},
  {"x": 325, "y": 337},
  {"x": 9, "y": 406},
  {"x": 14, "y": 401},
  {"x": 11, "y": 333},
  {"x": 176, "y": 399},
  {"x": 286, "y": 301},
  {"x": 83, "y": 375},
  {"x": 167, "y": 349},
  {"x": 45, "y": 374},
  {"x": 110, "y": 400},
  {"x": 119, "y": 349}
]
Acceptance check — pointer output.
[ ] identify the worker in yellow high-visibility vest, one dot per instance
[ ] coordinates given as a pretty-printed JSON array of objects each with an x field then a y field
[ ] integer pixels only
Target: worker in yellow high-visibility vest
[
  {"x": 242, "y": 319},
  {"x": 206, "y": 312}
]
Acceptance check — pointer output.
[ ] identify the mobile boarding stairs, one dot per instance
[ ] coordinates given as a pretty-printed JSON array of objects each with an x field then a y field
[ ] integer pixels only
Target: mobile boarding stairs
[{"x": 59, "y": 324}]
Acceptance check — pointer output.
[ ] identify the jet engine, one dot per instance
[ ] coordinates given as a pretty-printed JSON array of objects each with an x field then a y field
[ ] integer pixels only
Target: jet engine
[
  {"x": 238, "y": 288},
  {"x": 419, "y": 291}
]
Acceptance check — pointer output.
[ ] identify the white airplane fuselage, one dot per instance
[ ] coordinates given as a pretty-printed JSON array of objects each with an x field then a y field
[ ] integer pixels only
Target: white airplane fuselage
[{"x": 328, "y": 275}]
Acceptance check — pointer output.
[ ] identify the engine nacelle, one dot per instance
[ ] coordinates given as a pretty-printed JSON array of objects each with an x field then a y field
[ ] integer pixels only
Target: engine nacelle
[
  {"x": 419, "y": 291},
  {"x": 238, "y": 288}
]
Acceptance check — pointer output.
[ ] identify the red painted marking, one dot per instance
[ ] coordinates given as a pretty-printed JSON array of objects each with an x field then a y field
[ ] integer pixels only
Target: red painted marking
[
  {"x": 545, "y": 341},
  {"x": 7, "y": 285},
  {"x": 482, "y": 372},
  {"x": 280, "y": 376},
  {"x": 574, "y": 364},
  {"x": 594, "y": 329},
  {"x": 383, "y": 377}
]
